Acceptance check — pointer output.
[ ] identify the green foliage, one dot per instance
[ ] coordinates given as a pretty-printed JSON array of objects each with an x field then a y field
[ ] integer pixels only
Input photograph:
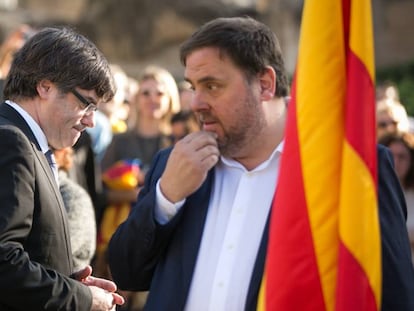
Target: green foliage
[{"x": 403, "y": 77}]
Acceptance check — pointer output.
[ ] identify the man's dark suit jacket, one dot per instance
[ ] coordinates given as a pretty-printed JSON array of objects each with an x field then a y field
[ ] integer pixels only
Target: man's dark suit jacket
[
  {"x": 35, "y": 253},
  {"x": 145, "y": 255}
]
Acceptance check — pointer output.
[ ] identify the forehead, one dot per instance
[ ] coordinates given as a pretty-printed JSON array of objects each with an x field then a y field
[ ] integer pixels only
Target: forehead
[
  {"x": 91, "y": 95},
  {"x": 384, "y": 115},
  {"x": 151, "y": 84},
  {"x": 209, "y": 62}
]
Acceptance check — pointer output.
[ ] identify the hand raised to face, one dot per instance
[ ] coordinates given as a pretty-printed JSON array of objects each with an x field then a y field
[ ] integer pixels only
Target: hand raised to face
[{"x": 188, "y": 165}]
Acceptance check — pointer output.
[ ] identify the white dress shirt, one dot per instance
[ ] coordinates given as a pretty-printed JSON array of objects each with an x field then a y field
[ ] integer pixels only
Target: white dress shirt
[
  {"x": 238, "y": 210},
  {"x": 37, "y": 131},
  {"x": 39, "y": 135}
]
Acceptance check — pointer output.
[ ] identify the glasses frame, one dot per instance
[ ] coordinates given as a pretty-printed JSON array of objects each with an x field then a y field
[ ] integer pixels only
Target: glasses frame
[{"x": 87, "y": 106}]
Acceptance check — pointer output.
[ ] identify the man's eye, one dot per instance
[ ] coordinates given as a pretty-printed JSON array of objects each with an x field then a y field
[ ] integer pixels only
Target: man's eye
[{"x": 212, "y": 87}]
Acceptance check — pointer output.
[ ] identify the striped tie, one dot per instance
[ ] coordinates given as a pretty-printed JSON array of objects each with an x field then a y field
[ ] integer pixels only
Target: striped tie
[{"x": 52, "y": 163}]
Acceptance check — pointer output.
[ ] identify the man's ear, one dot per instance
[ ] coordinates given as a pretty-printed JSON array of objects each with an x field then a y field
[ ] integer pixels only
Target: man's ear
[
  {"x": 268, "y": 84},
  {"x": 44, "y": 88}
]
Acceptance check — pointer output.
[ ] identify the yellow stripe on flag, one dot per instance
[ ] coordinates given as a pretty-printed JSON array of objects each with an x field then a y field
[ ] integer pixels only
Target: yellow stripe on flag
[
  {"x": 320, "y": 98},
  {"x": 358, "y": 213},
  {"x": 361, "y": 34},
  {"x": 324, "y": 237}
]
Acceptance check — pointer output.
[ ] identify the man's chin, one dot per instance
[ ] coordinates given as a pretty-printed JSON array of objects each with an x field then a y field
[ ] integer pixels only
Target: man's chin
[{"x": 76, "y": 137}]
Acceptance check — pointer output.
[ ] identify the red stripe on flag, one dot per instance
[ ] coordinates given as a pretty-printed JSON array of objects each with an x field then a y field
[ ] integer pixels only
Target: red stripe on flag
[
  {"x": 360, "y": 102},
  {"x": 356, "y": 292},
  {"x": 346, "y": 13},
  {"x": 360, "y": 112},
  {"x": 292, "y": 277}
]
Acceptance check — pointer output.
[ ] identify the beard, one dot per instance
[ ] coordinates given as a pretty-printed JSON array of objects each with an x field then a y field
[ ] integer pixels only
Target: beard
[{"x": 249, "y": 123}]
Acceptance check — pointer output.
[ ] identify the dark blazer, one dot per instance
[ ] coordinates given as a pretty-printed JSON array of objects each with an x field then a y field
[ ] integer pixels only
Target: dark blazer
[
  {"x": 35, "y": 252},
  {"x": 145, "y": 255}
]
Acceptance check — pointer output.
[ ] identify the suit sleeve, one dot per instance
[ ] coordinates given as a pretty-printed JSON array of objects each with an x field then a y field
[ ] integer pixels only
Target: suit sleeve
[
  {"x": 397, "y": 268},
  {"x": 138, "y": 244},
  {"x": 26, "y": 284}
]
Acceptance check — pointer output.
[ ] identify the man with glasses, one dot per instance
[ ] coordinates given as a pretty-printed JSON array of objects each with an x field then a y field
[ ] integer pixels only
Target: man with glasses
[{"x": 56, "y": 82}]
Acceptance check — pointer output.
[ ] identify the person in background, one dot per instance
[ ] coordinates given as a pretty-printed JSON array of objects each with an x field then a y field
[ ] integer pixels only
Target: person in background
[
  {"x": 131, "y": 94},
  {"x": 156, "y": 101},
  {"x": 197, "y": 236},
  {"x": 391, "y": 114},
  {"x": 186, "y": 95},
  {"x": 10, "y": 45},
  {"x": 402, "y": 149},
  {"x": 110, "y": 117},
  {"x": 391, "y": 117},
  {"x": 80, "y": 210},
  {"x": 55, "y": 83},
  {"x": 116, "y": 109},
  {"x": 182, "y": 124}
]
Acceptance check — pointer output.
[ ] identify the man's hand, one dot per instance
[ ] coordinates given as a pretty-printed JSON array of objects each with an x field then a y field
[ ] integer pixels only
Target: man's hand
[
  {"x": 188, "y": 165},
  {"x": 103, "y": 291},
  {"x": 103, "y": 300}
]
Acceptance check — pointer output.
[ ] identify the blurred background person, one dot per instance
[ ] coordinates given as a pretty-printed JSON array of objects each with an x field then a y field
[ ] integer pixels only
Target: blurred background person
[
  {"x": 182, "y": 123},
  {"x": 156, "y": 101},
  {"x": 117, "y": 109},
  {"x": 387, "y": 90},
  {"x": 12, "y": 43},
  {"x": 80, "y": 211},
  {"x": 111, "y": 117},
  {"x": 391, "y": 115},
  {"x": 186, "y": 95},
  {"x": 402, "y": 149},
  {"x": 132, "y": 91}
]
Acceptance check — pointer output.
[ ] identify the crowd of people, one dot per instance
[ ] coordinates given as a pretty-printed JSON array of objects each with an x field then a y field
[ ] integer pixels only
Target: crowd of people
[
  {"x": 144, "y": 181},
  {"x": 395, "y": 130}
]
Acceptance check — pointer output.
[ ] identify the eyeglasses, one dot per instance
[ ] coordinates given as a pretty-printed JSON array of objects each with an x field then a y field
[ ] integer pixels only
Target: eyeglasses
[{"x": 86, "y": 105}]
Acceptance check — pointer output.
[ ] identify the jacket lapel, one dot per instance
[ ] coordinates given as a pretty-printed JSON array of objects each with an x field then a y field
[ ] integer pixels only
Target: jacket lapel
[{"x": 17, "y": 120}]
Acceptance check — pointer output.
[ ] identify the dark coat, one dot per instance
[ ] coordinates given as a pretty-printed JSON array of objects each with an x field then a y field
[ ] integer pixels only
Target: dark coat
[
  {"x": 145, "y": 255},
  {"x": 35, "y": 251}
]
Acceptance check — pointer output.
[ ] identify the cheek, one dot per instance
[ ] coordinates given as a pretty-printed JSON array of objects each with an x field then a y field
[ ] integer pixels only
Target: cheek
[
  {"x": 144, "y": 103},
  {"x": 164, "y": 104},
  {"x": 401, "y": 167},
  {"x": 405, "y": 165}
]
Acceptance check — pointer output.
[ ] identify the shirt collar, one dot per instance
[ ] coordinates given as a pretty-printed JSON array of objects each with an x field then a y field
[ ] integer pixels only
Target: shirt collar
[
  {"x": 37, "y": 131},
  {"x": 233, "y": 163}
]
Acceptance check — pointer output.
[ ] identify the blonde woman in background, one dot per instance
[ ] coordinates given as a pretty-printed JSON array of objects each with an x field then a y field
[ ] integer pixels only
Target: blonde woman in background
[{"x": 156, "y": 101}]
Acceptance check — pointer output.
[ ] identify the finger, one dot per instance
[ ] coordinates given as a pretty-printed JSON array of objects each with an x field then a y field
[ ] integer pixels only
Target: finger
[
  {"x": 200, "y": 138},
  {"x": 102, "y": 283},
  {"x": 118, "y": 299},
  {"x": 83, "y": 274},
  {"x": 210, "y": 161},
  {"x": 208, "y": 152}
]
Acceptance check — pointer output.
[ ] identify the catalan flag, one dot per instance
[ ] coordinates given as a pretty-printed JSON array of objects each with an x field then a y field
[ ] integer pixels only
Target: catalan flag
[{"x": 324, "y": 249}]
